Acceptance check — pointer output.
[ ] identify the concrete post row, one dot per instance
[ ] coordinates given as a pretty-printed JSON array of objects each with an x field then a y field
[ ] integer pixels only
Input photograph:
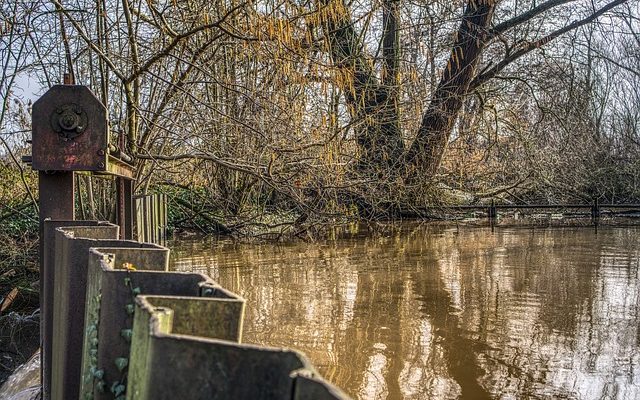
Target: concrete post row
[
  {"x": 115, "y": 277},
  {"x": 125, "y": 328},
  {"x": 71, "y": 254},
  {"x": 179, "y": 332},
  {"x": 47, "y": 283}
]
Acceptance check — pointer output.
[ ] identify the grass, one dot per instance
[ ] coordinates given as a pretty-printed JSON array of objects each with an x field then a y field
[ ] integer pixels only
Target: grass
[{"x": 19, "y": 256}]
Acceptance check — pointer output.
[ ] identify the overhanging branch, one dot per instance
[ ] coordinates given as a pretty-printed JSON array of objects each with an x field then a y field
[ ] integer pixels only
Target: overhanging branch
[{"x": 529, "y": 46}]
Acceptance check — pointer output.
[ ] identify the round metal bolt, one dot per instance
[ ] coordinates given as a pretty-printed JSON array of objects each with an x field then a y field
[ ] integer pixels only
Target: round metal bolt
[{"x": 68, "y": 121}]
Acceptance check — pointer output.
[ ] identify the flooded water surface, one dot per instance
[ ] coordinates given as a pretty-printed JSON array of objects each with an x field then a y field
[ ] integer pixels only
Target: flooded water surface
[{"x": 433, "y": 312}]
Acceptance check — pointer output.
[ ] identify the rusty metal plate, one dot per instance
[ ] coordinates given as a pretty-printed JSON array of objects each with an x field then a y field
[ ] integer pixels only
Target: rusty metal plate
[
  {"x": 120, "y": 168},
  {"x": 70, "y": 131}
]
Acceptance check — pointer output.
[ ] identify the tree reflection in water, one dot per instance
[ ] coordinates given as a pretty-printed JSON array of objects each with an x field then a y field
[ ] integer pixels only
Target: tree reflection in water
[{"x": 436, "y": 312}]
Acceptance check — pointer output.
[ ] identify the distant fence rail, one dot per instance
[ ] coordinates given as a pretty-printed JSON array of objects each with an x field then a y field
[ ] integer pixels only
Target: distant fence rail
[{"x": 595, "y": 209}]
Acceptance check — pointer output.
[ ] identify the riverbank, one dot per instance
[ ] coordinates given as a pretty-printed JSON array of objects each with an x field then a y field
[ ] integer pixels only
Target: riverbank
[{"x": 19, "y": 283}]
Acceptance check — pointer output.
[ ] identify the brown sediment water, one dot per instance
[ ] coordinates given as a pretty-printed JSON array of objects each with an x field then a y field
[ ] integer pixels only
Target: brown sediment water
[{"x": 424, "y": 311}]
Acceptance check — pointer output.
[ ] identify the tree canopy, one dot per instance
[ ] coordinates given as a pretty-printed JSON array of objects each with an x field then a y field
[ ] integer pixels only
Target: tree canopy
[{"x": 326, "y": 104}]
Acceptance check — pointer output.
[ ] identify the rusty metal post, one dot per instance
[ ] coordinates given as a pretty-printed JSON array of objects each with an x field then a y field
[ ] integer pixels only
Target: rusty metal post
[
  {"x": 125, "y": 207},
  {"x": 57, "y": 201},
  {"x": 124, "y": 189},
  {"x": 492, "y": 212},
  {"x": 70, "y": 133},
  {"x": 62, "y": 137},
  {"x": 595, "y": 212}
]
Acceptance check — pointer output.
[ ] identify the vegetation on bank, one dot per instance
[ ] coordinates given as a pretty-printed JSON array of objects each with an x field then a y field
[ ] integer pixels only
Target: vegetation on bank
[
  {"x": 18, "y": 269},
  {"x": 18, "y": 237}
]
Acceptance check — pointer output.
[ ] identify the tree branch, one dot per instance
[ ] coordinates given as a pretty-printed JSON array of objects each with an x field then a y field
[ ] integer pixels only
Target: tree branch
[
  {"x": 528, "y": 47},
  {"x": 248, "y": 169},
  {"x": 524, "y": 17},
  {"x": 89, "y": 42},
  {"x": 176, "y": 39}
]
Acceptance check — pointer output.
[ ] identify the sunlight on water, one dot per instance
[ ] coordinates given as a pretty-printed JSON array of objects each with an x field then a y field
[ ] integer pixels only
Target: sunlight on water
[{"x": 428, "y": 311}]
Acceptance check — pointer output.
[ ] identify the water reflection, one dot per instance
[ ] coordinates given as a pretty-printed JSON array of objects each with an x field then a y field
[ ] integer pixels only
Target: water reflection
[{"x": 437, "y": 312}]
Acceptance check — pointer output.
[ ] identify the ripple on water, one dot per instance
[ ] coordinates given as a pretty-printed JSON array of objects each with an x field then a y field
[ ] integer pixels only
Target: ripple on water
[{"x": 431, "y": 312}]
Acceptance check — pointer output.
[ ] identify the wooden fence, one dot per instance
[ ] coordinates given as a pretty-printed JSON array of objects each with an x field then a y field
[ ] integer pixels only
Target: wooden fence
[{"x": 151, "y": 218}]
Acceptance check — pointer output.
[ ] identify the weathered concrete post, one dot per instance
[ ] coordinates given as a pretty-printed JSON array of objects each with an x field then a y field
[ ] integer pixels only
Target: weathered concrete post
[
  {"x": 115, "y": 277},
  {"x": 197, "y": 335}
]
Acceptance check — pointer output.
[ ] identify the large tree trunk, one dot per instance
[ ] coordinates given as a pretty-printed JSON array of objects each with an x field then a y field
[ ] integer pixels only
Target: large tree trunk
[
  {"x": 425, "y": 154},
  {"x": 389, "y": 98},
  {"x": 373, "y": 105}
]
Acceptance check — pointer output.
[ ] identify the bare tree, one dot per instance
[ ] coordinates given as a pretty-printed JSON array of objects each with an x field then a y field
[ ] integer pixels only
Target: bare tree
[{"x": 319, "y": 104}]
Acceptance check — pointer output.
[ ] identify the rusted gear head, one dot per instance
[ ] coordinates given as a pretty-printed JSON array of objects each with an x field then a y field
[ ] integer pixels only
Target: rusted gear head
[{"x": 69, "y": 121}]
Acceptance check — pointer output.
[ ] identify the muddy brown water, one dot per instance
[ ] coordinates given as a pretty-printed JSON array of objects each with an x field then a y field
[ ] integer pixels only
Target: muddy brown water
[{"x": 436, "y": 312}]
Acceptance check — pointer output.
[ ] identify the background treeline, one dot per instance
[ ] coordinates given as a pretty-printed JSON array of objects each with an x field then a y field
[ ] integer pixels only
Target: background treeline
[{"x": 254, "y": 113}]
